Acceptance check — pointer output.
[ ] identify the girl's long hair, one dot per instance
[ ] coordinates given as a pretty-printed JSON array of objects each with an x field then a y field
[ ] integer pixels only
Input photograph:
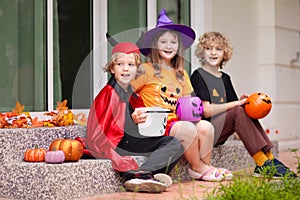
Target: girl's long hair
[{"x": 177, "y": 62}]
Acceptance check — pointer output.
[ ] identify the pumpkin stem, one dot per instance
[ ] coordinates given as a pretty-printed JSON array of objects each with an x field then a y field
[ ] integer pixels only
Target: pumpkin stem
[{"x": 36, "y": 146}]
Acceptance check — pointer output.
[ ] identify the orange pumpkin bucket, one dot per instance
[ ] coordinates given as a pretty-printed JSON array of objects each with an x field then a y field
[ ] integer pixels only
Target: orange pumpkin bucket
[{"x": 258, "y": 105}]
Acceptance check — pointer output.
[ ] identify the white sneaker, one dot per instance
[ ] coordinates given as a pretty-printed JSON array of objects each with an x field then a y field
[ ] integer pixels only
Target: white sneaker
[
  {"x": 164, "y": 178},
  {"x": 145, "y": 185}
]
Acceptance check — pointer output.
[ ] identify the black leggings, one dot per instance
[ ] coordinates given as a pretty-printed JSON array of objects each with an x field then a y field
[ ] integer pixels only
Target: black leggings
[{"x": 162, "y": 152}]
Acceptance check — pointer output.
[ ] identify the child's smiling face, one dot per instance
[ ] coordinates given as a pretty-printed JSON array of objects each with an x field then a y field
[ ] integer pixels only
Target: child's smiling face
[
  {"x": 167, "y": 45},
  {"x": 213, "y": 54},
  {"x": 124, "y": 69}
]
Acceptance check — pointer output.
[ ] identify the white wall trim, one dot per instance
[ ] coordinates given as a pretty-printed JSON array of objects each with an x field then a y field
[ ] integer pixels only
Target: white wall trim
[
  {"x": 151, "y": 13},
  {"x": 50, "y": 93},
  {"x": 198, "y": 24},
  {"x": 99, "y": 44}
]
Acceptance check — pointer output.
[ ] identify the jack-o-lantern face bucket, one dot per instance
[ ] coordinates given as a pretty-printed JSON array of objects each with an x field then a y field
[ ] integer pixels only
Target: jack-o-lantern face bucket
[
  {"x": 189, "y": 109},
  {"x": 258, "y": 105}
]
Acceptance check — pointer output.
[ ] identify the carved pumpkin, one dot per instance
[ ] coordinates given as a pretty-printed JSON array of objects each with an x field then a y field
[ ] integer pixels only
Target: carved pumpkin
[
  {"x": 72, "y": 148},
  {"x": 189, "y": 109},
  {"x": 258, "y": 105},
  {"x": 35, "y": 155},
  {"x": 55, "y": 157}
]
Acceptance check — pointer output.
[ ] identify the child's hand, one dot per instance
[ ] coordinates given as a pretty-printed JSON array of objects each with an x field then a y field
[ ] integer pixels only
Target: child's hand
[
  {"x": 139, "y": 115},
  {"x": 243, "y": 99},
  {"x": 244, "y": 96}
]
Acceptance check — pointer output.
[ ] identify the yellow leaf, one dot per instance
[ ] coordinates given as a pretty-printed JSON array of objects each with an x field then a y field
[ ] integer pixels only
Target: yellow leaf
[
  {"x": 49, "y": 124},
  {"x": 27, "y": 114}
]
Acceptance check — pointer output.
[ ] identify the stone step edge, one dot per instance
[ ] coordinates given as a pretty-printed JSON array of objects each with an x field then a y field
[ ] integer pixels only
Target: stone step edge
[{"x": 98, "y": 172}]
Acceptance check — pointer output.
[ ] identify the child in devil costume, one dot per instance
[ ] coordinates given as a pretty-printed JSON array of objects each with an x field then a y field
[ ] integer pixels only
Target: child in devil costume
[{"x": 112, "y": 128}]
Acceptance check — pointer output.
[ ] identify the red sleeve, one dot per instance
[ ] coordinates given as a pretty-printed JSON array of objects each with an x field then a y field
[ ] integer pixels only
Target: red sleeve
[
  {"x": 105, "y": 128},
  {"x": 136, "y": 101}
]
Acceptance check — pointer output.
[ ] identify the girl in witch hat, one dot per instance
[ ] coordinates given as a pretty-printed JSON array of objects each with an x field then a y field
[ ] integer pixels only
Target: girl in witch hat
[{"x": 164, "y": 81}]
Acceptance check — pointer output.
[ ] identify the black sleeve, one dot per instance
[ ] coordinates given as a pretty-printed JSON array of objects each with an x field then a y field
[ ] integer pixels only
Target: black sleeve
[
  {"x": 200, "y": 87},
  {"x": 230, "y": 92}
]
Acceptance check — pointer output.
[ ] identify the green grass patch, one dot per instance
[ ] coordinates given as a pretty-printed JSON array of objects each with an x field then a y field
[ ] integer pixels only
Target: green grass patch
[
  {"x": 258, "y": 189},
  {"x": 244, "y": 186}
]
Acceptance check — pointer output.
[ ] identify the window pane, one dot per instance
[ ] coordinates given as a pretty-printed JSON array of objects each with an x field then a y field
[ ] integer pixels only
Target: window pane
[
  {"x": 72, "y": 46},
  {"x": 126, "y": 19},
  {"x": 22, "y": 54},
  {"x": 177, "y": 10}
]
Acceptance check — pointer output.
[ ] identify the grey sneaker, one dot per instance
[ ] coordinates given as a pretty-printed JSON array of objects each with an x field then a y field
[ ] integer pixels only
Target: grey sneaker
[
  {"x": 164, "y": 178},
  {"x": 145, "y": 185}
]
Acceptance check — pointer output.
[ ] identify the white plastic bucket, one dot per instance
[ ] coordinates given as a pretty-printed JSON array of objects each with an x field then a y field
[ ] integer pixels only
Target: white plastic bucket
[{"x": 155, "y": 124}]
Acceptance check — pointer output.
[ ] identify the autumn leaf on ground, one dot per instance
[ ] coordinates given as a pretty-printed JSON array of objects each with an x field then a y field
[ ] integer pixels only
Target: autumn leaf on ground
[
  {"x": 52, "y": 113},
  {"x": 61, "y": 106},
  {"x": 3, "y": 122},
  {"x": 11, "y": 114},
  {"x": 20, "y": 123},
  {"x": 36, "y": 123},
  {"x": 80, "y": 119},
  {"x": 68, "y": 119},
  {"x": 27, "y": 114},
  {"x": 18, "y": 109},
  {"x": 48, "y": 123}
]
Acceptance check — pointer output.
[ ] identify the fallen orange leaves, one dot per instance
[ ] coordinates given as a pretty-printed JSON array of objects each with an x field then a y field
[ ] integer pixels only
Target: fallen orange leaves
[
  {"x": 62, "y": 116},
  {"x": 36, "y": 123}
]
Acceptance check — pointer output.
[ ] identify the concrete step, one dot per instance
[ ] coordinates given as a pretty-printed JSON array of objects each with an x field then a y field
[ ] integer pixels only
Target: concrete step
[{"x": 85, "y": 178}]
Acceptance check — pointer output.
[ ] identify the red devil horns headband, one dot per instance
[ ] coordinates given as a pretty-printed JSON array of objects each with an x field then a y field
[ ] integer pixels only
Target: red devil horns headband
[{"x": 122, "y": 47}]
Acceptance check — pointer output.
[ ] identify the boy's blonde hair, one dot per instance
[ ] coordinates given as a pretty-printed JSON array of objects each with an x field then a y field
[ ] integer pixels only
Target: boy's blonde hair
[
  {"x": 113, "y": 61},
  {"x": 210, "y": 38}
]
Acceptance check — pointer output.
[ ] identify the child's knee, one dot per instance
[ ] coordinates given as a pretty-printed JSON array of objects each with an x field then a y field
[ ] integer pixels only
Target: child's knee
[
  {"x": 185, "y": 132},
  {"x": 205, "y": 128}
]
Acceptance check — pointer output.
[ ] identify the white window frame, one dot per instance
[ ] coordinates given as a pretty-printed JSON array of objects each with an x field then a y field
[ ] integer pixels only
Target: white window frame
[
  {"x": 99, "y": 30},
  {"x": 50, "y": 82},
  {"x": 99, "y": 39},
  {"x": 197, "y": 8}
]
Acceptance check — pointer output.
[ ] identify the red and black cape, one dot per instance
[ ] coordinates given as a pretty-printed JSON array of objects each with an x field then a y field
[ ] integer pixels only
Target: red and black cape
[{"x": 105, "y": 126}]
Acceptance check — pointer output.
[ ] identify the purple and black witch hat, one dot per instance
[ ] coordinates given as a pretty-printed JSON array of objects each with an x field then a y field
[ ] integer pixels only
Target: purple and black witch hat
[{"x": 164, "y": 23}]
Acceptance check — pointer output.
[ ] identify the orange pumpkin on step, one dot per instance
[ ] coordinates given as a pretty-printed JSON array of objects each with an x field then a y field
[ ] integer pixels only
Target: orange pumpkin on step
[
  {"x": 35, "y": 155},
  {"x": 72, "y": 148}
]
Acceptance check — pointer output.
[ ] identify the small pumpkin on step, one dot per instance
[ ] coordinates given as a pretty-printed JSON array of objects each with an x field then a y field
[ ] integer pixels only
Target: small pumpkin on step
[
  {"x": 35, "y": 155},
  {"x": 55, "y": 156}
]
